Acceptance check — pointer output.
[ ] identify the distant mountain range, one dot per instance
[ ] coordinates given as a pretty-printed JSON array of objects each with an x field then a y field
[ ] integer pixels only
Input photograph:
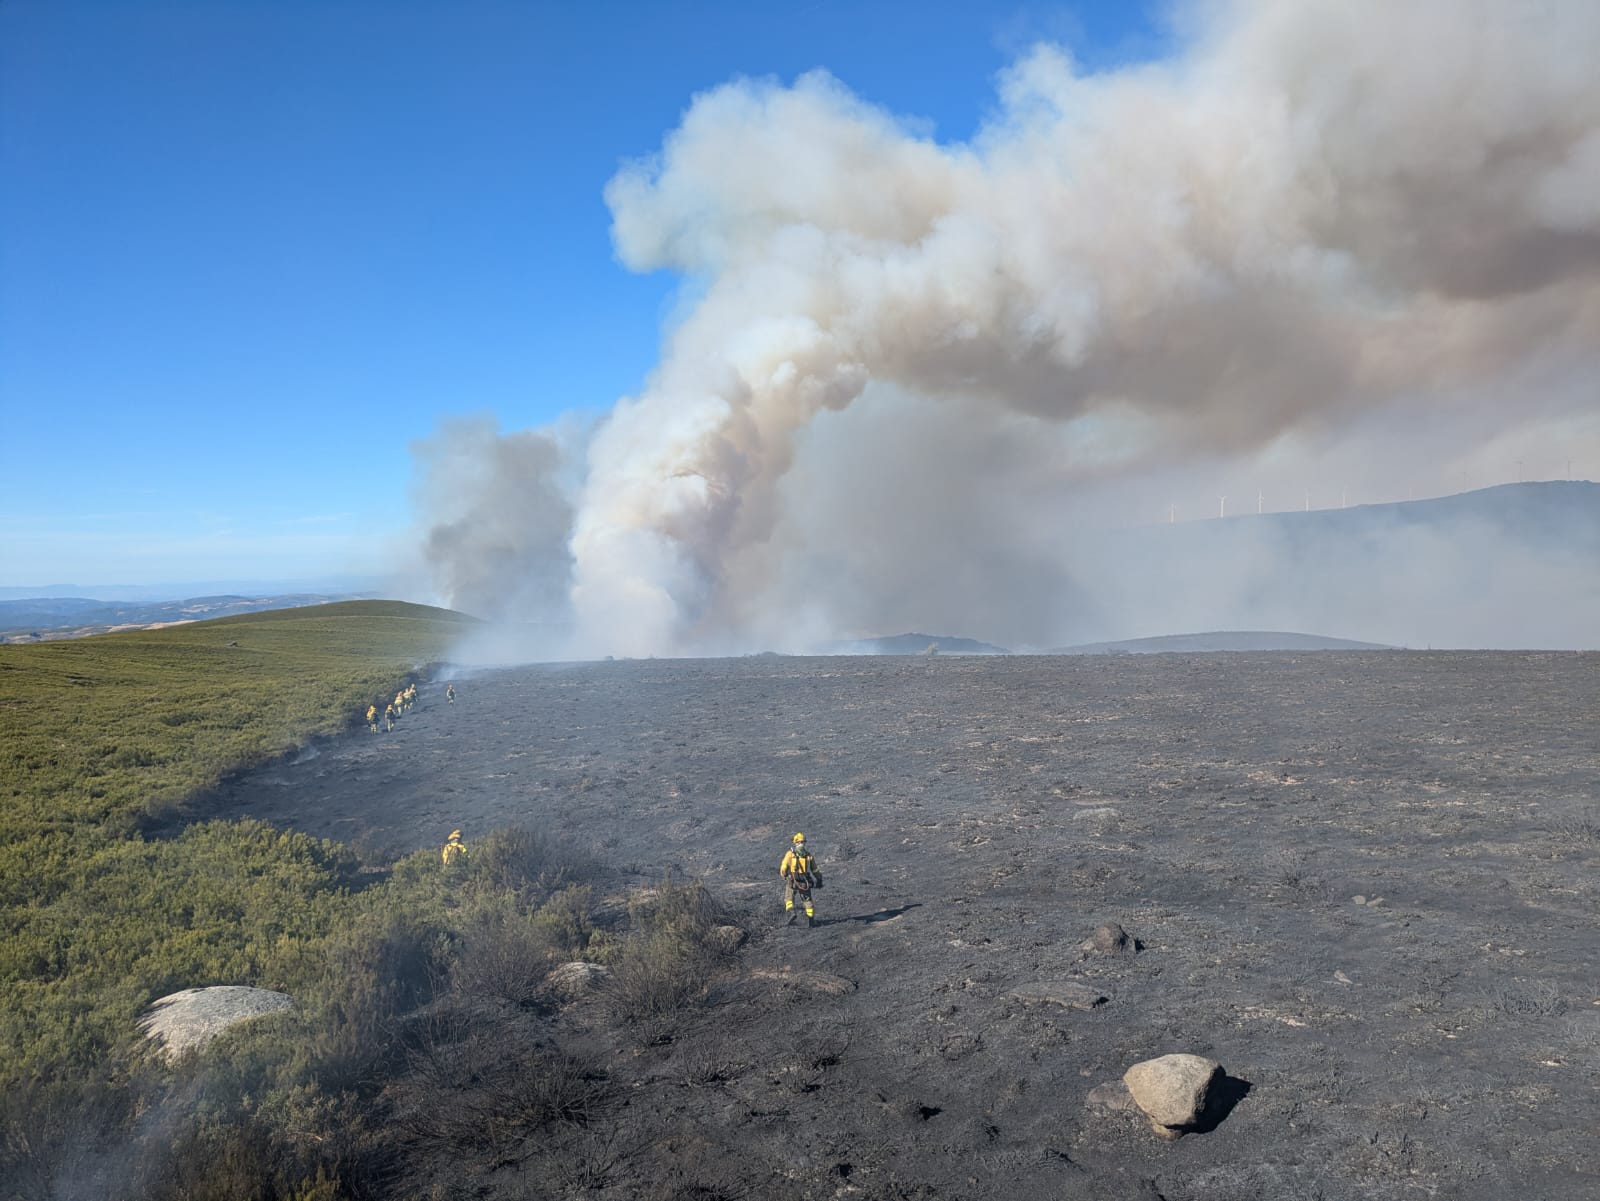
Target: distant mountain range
[
  {"x": 1563, "y": 514},
  {"x": 45, "y": 619},
  {"x": 1514, "y": 566},
  {"x": 327, "y": 585}
]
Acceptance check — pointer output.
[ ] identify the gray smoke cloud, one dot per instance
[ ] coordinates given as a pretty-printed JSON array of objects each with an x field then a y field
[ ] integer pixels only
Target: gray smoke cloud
[
  {"x": 914, "y": 370},
  {"x": 501, "y": 520}
]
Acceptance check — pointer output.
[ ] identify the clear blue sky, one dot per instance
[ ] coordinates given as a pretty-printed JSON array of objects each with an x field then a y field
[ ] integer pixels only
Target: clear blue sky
[{"x": 249, "y": 252}]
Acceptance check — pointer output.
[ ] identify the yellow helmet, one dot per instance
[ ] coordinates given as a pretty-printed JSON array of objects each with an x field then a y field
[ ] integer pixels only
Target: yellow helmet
[
  {"x": 454, "y": 834},
  {"x": 798, "y": 838}
]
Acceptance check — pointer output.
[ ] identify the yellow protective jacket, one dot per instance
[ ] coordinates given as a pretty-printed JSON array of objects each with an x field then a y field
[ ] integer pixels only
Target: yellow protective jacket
[
  {"x": 453, "y": 851},
  {"x": 798, "y": 865}
]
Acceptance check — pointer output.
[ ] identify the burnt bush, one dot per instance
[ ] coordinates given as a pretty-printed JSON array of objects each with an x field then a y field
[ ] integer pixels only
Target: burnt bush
[
  {"x": 489, "y": 1087},
  {"x": 657, "y": 974},
  {"x": 666, "y": 964},
  {"x": 506, "y": 951},
  {"x": 1580, "y": 825},
  {"x": 243, "y": 1160},
  {"x": 50, "y": 1132},
  {"x": 686, "y": 909},
  {"x": 385, "y": 967}
]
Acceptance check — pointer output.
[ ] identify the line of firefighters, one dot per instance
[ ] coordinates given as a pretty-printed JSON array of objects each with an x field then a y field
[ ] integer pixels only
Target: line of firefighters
[
  {"x": 799, "y": 871},
  {"x": 403, "y": 700}
]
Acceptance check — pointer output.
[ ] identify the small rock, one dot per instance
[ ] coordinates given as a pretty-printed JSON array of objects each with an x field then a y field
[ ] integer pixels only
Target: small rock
[
  {"x": 818, "y": 982},
  {"x": 1358, "y": 899},
  {"x": 1112, "y": 1096},
  {"x": 1109, "y": 939},
  {"x": 726, "y": 939},
  {"x": 1102, "y": 815},
  {"x": 1069, "y": 994},
  {"x": 1375, "y": 902},
  {"x": 575, "y": 979},
  {"x": 1172, "y": 1090}
]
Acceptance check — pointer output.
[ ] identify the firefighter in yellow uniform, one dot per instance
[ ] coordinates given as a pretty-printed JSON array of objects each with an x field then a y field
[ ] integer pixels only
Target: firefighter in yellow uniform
[
  {"x": 388, "y": 718},
  {"x": 399, "y": 703},
  {"x": 411, "y": 695},
  {"x": 372, "y": 718},
  {"x": 455, "y": 851},
  {"x": 800, "y": 875}
]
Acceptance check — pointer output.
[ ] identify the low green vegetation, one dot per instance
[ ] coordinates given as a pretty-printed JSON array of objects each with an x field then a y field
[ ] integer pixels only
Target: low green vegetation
[
  {"x": 101, "y": 737},
  {"x": 420, "y": 1039},
  {"x": 111, "y": 731}
]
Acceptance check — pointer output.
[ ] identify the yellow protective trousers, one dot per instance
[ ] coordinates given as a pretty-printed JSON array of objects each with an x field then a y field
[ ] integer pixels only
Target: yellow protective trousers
[{"x": 793, "y": 896}]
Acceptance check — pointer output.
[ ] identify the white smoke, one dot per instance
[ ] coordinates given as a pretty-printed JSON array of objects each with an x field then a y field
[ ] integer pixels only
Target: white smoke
[{"x": 1320, "y": 216}]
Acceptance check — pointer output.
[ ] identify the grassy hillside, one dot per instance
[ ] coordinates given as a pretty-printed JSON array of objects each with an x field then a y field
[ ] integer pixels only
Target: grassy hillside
[
  {"x": 101, "y": 734},
  {"x": 110, "y": 730}
]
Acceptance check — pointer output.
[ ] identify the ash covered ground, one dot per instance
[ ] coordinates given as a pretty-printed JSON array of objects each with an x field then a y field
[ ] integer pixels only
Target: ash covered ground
[{"x": 1364, "y": 883}]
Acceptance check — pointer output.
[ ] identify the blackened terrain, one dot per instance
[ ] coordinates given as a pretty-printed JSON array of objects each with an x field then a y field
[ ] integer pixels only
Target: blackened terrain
[{"x": 1365, "y": 883}]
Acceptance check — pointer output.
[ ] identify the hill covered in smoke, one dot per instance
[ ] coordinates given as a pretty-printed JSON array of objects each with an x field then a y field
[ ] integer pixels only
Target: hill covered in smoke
[
  {"x": 1512, "y": 566},
  {"x": 912, "y": 370}
]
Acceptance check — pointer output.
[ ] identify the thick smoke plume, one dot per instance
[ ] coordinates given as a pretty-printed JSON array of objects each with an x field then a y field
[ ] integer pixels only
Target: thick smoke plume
[
  {"x": 912, "y": 364},
  {"x": 502, "y": 519}
]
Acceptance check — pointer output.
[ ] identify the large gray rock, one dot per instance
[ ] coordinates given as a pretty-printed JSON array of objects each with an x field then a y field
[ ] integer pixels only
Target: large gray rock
[
  {"x": 188, "y": 1020},
  {"x": 1172, "y": 1090}
]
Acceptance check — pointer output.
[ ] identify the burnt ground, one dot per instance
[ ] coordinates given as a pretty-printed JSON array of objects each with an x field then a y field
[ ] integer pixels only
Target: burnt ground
[{"x": 976, "y": 819}]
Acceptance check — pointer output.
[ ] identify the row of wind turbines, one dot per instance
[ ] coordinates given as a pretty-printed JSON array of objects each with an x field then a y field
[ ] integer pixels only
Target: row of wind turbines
[{"x": 1344, "y": 496}]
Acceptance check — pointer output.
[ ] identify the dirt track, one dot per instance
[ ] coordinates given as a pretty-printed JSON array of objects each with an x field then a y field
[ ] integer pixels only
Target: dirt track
[{"x": 976, "y": 819}]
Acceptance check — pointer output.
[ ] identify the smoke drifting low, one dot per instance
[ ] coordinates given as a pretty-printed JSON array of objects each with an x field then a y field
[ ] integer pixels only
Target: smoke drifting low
[{"x": 917, "y": 371}]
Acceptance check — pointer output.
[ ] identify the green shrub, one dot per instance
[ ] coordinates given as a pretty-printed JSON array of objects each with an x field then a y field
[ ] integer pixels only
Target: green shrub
[{"x": 526, "y": 860}]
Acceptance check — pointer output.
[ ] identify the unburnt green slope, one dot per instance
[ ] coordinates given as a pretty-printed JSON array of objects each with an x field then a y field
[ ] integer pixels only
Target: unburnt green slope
[{"x": 102, "y": 734}]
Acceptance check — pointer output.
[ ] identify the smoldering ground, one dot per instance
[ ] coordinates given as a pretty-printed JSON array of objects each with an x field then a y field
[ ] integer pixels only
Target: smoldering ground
[
  {"x": 1333, "y": 230},
  {"x": 1364, "y": 883}
]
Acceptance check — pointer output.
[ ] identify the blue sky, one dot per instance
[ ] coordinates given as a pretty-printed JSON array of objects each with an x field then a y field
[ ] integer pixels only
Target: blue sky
[{"x": 250, "y": 252}]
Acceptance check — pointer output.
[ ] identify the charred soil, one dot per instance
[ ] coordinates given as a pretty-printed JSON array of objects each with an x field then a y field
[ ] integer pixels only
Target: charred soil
[{"x": 1364, "y": 883}]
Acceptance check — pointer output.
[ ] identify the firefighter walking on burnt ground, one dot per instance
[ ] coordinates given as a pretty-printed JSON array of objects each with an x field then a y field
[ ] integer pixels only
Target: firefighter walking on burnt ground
[{"x": 800, "y": 876}]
